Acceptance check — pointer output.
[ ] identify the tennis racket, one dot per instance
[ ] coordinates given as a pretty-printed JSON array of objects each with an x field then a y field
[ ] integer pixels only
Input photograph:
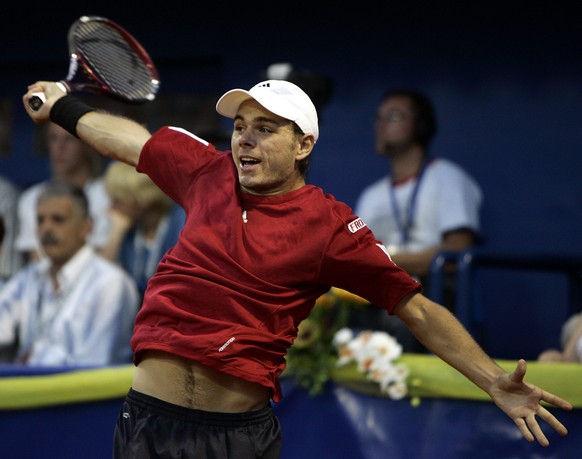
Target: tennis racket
[{"x": 106, "y": 59}]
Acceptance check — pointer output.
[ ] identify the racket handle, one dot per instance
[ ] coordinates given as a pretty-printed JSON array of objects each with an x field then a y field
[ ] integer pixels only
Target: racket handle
[{"x": 38, "y": 98}]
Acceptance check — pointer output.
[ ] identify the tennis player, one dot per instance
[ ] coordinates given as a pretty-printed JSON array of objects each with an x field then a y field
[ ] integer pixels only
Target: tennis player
[{"x": 258, "y": 247}]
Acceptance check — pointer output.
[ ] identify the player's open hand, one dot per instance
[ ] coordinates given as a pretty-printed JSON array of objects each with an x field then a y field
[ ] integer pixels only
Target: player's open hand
[{"x": 521, "y": 401}]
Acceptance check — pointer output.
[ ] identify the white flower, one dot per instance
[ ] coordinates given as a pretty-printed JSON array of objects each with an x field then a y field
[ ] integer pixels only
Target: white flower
[
  {"x": 401, "y": 372},
  {"x": 374, "y": 353},
  {"x": 343, "y": 336},
  {"x": 397, "y": 390},
  {"x": 358, "y": 349},
  {"x": 385, "y": 345},
  {"x": 381, "y": 369},
  {"x": 345, "y": 355}
]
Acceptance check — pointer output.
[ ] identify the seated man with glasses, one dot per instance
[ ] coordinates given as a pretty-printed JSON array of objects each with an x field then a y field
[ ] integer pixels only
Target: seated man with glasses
[{"x": 425, "y": 205}]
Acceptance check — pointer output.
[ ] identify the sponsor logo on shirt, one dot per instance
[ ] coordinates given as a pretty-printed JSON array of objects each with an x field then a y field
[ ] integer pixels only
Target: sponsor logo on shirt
[
  {"x": 225, "y": 345},
  {"x": 356, "y": 225}
]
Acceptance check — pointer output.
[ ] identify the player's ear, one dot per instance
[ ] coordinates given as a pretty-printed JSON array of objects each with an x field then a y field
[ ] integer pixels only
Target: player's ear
[{"x": 307, "y": 142}]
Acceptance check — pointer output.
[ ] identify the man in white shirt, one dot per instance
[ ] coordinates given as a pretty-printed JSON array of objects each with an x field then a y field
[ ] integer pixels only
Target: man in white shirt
[
  {"x": 426, "y": 204},
  {"x": 9, "y": 258},
  {"x": 72, "y": 162},
  {"x": 73, "y": 307}
]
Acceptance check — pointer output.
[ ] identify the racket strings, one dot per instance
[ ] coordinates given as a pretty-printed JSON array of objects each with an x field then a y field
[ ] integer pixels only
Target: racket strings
[{"x": 111, "y": 59}]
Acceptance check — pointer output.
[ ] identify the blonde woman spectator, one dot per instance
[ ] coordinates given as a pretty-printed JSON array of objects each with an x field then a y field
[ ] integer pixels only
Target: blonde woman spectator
[{"x": 145, "y": 222}]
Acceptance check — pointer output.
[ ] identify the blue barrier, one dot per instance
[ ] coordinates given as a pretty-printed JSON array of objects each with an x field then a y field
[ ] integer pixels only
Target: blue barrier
[
  {"x": 472, "y": 310},
  {"x": 77, "y": 415}
]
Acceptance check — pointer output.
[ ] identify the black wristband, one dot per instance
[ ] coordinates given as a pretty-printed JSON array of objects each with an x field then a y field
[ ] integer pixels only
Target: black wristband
[{"x": 66, "y": 112}]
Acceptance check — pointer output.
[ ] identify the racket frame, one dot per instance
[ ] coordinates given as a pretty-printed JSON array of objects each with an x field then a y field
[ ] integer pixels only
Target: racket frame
[
  {"x": 82, "y": 77},
  {"x": 79, "y": 66}
]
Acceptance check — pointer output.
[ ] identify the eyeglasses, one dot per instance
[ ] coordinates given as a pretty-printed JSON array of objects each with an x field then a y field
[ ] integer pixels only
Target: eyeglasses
[{"x": 393, "y": 116}]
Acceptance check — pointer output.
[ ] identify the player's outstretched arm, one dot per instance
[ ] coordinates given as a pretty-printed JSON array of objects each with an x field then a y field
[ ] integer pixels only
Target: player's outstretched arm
[{"x": 443, "y": 334}]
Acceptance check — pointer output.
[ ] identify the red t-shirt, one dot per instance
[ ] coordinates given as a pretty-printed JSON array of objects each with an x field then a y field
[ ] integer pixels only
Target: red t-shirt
[{"x": 247, "y": 269}]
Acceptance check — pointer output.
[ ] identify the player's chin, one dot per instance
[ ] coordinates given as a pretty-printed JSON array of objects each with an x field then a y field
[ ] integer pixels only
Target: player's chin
[
  {"x": 249, "y": 186},
  {"x": 249, "y": 179},
  {"x": 254, "y": 185}
]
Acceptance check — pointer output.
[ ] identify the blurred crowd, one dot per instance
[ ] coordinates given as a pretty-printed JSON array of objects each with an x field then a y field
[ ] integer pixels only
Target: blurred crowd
[
  {"x": 71, "y": 284},
  {"x": 77, "y": 251}
]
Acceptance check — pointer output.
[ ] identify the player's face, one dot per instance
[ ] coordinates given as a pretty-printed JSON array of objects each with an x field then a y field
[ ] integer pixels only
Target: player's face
[{"x": 266, "y": 150}]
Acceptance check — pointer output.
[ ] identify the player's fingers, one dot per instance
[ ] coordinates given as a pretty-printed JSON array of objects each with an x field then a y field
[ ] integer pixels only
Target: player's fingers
[
  {"x": 556, "y": 401},
  {"x": 536, "y": 430},
  {"x": 519, "y": 372},
  {"x": 552, "y": 421},
  {"x": 523, "y": 428}
]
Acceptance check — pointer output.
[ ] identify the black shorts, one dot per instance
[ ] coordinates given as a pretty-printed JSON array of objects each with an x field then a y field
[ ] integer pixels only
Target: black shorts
[{"x": 151, "y": 428}]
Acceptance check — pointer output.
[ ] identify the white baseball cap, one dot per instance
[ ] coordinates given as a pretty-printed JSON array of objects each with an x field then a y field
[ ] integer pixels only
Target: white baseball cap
[{"x": 280, "y": 97}]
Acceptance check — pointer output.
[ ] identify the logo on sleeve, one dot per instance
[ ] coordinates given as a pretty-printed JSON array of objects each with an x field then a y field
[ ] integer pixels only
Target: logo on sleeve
[
  {"x": 225, "y": 345},
  {"x": 356, "y": 225}
]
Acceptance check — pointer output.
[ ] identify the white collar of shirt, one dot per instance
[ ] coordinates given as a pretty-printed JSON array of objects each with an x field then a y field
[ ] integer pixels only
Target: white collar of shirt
[{"x": 72, "y": 268}]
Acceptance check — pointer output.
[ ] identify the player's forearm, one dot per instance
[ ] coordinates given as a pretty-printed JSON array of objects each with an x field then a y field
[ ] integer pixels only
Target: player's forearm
[
  {"x": 445, "y": 336},
  {"x": 113, "y": 136}
]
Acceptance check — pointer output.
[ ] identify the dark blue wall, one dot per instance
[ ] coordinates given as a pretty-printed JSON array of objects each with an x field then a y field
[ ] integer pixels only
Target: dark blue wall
[{"x": 506, "y": 79}]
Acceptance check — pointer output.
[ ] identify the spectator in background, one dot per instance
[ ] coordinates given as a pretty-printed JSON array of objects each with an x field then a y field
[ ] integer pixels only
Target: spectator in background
[
  {"x": 571, "y": 343},
  {"x": 73, "y": 307},
  {"x": 10, "y": 260},
  {"x": 72, "y": 162},
  {"x": 2, "y": 233},
  {"x": 424, "y": 205},
  {"x": 6, "y": 352},
  {"x": 145, "y": 222}
]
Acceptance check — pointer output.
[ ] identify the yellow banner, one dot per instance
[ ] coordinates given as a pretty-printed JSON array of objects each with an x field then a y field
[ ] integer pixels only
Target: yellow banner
[{"x": 429, "y": 377}]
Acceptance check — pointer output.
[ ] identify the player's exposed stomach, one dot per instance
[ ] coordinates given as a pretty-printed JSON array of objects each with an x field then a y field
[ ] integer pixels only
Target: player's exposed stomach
[{"x": 192, "y": 385}]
